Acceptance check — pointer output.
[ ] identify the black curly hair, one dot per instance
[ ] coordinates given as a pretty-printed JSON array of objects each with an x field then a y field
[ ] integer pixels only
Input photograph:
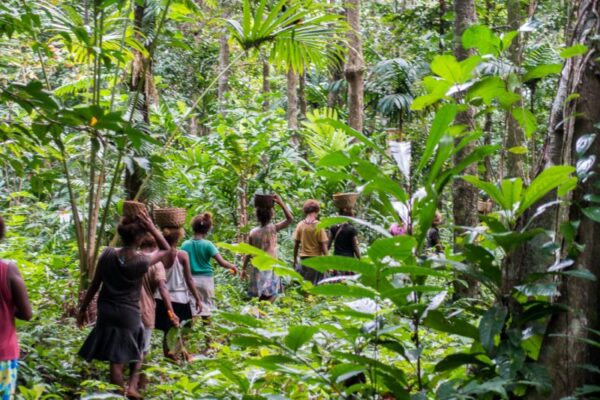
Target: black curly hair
[{"x": 131, "y": 230}]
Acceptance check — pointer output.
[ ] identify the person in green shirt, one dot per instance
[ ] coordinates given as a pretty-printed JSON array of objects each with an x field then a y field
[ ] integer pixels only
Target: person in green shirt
[{"x": 201, "y": 252}]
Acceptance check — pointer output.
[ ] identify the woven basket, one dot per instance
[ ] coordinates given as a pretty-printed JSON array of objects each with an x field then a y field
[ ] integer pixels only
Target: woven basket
[
  {"x": 264, "y": 200},
  {"x": 170, "y": 217},
  {"x": 133, "y": 208},
  {"x": 345, "y": 200},
  {"x": 484, "y": 207}
]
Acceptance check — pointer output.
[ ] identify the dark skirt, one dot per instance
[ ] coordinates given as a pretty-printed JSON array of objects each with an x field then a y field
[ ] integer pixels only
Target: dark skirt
[
  {"x": 308, "y": 273},
  {"x": 118, "y": 336},
  {"x": 182, "y": 310}
]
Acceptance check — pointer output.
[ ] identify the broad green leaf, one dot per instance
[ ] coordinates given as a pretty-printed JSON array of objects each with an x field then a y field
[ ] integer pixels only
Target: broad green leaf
[
  {"x": 511, "y": 190},
  {"x": 592, "y": 213},
  {"x": 454, "y": 361},
  {"x": 241, "y": 319},
  {"x": 526, "y": 120},
  {"x": 482, "y": 38},
  {"x": 338, "y": 289},
  {"x": 574, "y": 51},
  {"x": 550, "y": 179},
  {"x": 444, "y": 117},
  {"x": 335, "y": 159},
  {"x": 436, "y": 320},
  {"x": 397, "y": 247},
  {"x": 519, "y": 150},
  {"x": 299, "y": 335},
  {"x": 542, "y": 71},
  {"x": 491, "y": 325},
  {"x": 490, "y": 189},
  {"x": 338, "y": 263},
  {"x": 448, "y": 68}
]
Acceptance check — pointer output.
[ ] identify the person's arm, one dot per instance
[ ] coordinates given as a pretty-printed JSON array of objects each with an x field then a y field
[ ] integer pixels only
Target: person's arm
[
  {"x": 324, "y": 248},
  {"x": 163, "y": 245},
  {"x": 324, "y": 241},
  {"x": 225, "y": 264},
  {"x": 19, "y": 293},
  {"x": 244, "y": 274},
  {"x": 355, "y": 246},
  {"x": 184, "y": 259},
  {"x": 296, "y": 249},
  {"x": 164, "y": 293},
  {"x": 289, "y": 218},
  {"x": 91, "y": 292}
]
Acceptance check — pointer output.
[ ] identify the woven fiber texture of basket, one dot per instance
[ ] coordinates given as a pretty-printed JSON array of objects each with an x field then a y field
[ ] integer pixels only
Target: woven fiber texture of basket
[
  {"x": 170, "y": 217},
  {"x": 133, "y": 208},
  {"x": 345, "y": 200}
]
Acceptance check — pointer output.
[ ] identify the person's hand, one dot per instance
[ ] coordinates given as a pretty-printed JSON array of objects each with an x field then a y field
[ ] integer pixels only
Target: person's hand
[
  {"x": 233, "y": 269},
  {"x": 146, "y": 220},
  {"x": 198, "y": 306},
  {"x": 81, "y": 319},
  {"x": 277, "y": 199},
  {"x": 174, "y": 319}
]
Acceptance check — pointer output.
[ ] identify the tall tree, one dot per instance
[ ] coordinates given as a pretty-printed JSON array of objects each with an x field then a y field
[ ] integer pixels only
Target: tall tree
[
  {"x": 464, "y": 195},
  {"x": 142, "y": 82},
  {"x": 355, "y": 67},
  {"x": 515, "y": 136},
  {"x": 223, "y": 86},
  {"x": 566, "y": 349},
  {"x": 292, "y": 99}
]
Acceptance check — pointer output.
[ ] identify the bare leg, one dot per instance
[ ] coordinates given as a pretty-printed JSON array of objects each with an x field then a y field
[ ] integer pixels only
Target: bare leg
[
  {"x": 134, "y": 378},
  {"x": 116, "y": 375}
]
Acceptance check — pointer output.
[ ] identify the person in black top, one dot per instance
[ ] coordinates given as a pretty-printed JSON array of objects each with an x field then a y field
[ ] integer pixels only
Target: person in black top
[
  {"x": 118, "y": 335},
  {"x": 434, "y": 241},
  {"x": 344, "y": 237}
]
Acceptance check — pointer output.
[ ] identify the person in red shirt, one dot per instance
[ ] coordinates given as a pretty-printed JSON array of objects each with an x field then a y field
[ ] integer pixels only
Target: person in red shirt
[{"x": 14, "y": 303}]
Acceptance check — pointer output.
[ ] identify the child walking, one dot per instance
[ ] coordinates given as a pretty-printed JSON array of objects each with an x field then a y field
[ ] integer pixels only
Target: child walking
[
  {"x": 265, "y": 284},
  {"x": 201, "y": 252}
]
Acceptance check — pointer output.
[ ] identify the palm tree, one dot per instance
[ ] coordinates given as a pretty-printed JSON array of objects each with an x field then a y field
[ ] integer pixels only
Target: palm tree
[
  {"x": 293, "y": 37},
  {"x": 390, "y": 89}
]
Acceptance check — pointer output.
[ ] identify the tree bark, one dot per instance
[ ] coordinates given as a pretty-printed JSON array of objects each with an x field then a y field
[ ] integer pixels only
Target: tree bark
[
  {"x": 223, "y": 86},
  {"x": 464, "y": 195},
  {"x": 302, "y": 95},
  {"x": 141, "y": 78},
  {"x": 515, "y": 137},
  {"x": 266, "y": 85},
  {"x": 563, "y": 349},
  {"x": 355, "y": 67},
  {"x": 292, "y": 99}
]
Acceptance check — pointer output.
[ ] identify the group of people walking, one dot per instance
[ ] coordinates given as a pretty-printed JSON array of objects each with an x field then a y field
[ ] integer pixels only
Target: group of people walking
[{"x": 149, "y": 283}]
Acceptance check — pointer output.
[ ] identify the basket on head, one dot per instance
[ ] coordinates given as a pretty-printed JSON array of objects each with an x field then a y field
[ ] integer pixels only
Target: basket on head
[
  {"x": 264, "y": 200},
  {"x": 133, "y": 208},
  {"x": 484, "y": 207},
  {"x": 170, "y": 217},
  {"x": 345, "y": 200}
]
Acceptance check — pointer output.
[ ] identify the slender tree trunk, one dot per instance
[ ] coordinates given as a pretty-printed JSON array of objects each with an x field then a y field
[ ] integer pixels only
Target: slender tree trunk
[
  {"x": 141, "y": 76},
  {"x": 266, "y": 85},
  {"x": 464, "y": 195},
  {"x": 355, "y": 67},
  {"x": 442, "y": 26},
  {"x": 223, "y": 86},
  {"x": 292, "y": 99},
  {"x": 490, "y": 176},
  {"x": 515, "y": 136},
  {"x": 302, "y": 95},
  {"x": 564, "y": 350}
]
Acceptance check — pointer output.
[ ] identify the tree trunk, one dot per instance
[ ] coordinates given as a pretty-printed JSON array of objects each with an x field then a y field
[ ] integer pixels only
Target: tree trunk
[
  {"x": 355, "y": 67},
  {"x": 266, "y": 85},
  {"x": 564, "y": 349},
  {"x": 442, "y": 26},
  {"x": 302, "y": 95},
  {"x": 141, "y": 79},
  {"x": 515, "y": 136},
  {"x": 464, "y": 195},
  {"x": 292, "y": 99},
  {"x": 223, "y": 71}
]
